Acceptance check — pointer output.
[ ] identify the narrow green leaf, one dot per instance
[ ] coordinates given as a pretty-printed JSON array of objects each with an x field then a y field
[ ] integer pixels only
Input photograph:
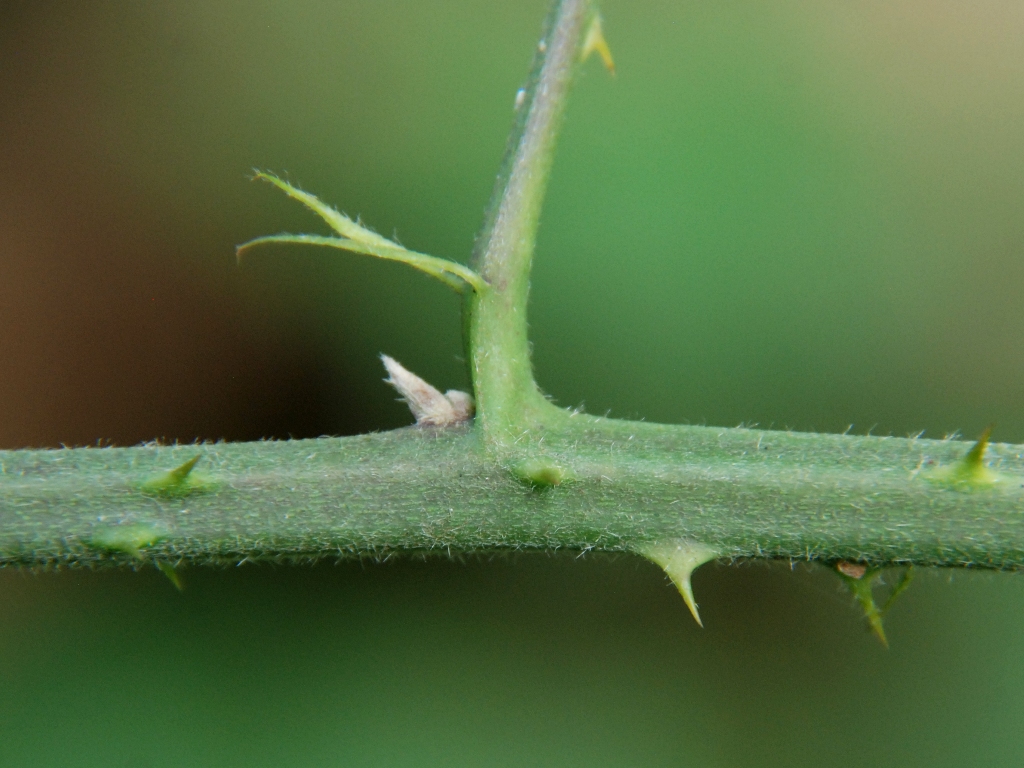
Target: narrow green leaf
[
  {"x": 358, "y": 239},
  {"x": 450, "y": 273},
  {"x": 901, "y": 585},
  {"x": 336, "y": 220}
]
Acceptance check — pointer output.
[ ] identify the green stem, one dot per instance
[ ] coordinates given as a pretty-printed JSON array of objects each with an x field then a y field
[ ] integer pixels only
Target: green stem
[
  {"x": 740, "y": 492},
  {"x": 508, "y": 400}
]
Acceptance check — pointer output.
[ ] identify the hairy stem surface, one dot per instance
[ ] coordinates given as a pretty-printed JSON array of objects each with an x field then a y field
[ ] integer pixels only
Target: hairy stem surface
[
  {"x": 742, "y": 492},
  {"x": 508, "y": 401}
]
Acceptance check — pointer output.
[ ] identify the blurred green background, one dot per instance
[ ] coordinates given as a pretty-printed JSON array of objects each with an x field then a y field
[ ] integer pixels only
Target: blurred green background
[{"x": 799, "y": 214}]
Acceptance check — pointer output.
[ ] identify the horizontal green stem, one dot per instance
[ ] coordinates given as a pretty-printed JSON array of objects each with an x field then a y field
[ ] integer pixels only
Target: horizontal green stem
[{"x": 744, "y": 493}]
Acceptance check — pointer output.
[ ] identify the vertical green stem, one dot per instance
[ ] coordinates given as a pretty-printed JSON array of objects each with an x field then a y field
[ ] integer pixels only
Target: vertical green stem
[{"x": 508, "y": 401}]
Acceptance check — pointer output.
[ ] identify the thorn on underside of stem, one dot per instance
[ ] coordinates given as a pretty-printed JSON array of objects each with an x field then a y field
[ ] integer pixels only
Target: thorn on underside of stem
[
  {"x": 679, "y": 558},
  {"x": 171, "y": 573},
  {"x": 131, "y": 539},
  {"x": 352, "y": 236}
]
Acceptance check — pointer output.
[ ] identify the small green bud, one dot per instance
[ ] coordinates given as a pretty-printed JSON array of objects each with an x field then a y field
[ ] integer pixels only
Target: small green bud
[{"x": 539, "y": 472}]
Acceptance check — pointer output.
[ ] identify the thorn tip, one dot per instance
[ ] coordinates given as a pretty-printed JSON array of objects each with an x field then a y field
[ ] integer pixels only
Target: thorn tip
[
  {"x": 178, "y": 481},
  {"x": 970, "y": 473},
  {"x": 595, "y": 42},
  {"x": 171, "y": 573},
  {"x": 976, "y": 455},
  {"x": 679, "y": 558}
]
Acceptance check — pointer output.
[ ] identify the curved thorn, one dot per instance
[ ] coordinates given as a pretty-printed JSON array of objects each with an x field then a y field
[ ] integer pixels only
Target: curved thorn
[
  {"x": 970, "y": 473},
  {"x": 177, "y": 482},
  {"x": 679, "y": 558},
  {"x": 975, "y": 457},
  {"x": 171, "y": 573},
  {"x": 594, "y": 42}
]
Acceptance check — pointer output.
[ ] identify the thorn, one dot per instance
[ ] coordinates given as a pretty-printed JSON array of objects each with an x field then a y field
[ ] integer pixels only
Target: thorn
[
  {"x": 129, "y": 538},
  {"x": 428, "y": 405},
  {"x": 861, "y": 581},
  {"x": 970, "y": 473},
  {"x": 177, "y": 482},
  {"x": 975, "y": 457},
  {"x": 872, "y": 614},
  {"x": 595, "y": 42},
  {"x": 679, "y": 558},
  {"x": 181, "y": 472},
  {"x": 171, "y": 573}
]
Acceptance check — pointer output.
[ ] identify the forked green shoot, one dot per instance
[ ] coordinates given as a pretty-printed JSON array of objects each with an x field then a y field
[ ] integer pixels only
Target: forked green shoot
[
  {"x": 861, "y": 581},
  {"x": 356, "y": 238}
]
